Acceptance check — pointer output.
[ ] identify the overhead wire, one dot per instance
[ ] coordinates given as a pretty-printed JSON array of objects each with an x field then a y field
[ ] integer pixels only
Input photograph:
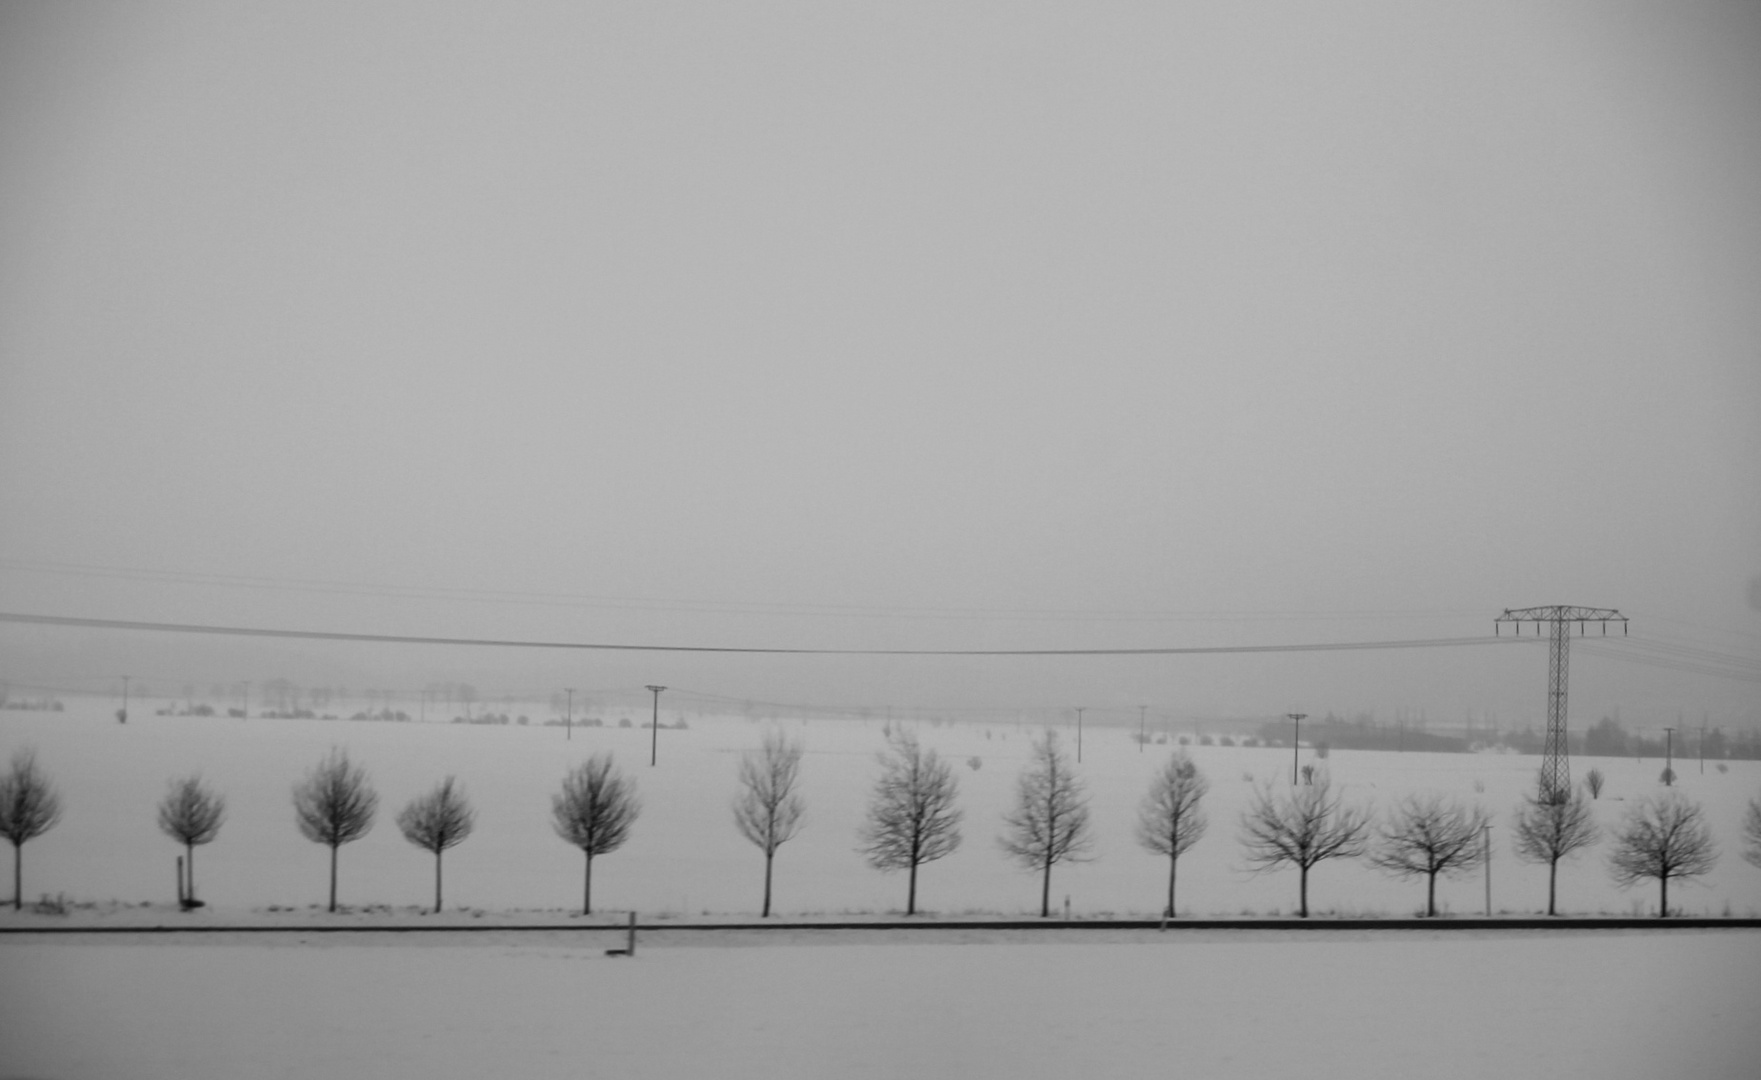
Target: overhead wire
[{"x": 415, "y": 639}]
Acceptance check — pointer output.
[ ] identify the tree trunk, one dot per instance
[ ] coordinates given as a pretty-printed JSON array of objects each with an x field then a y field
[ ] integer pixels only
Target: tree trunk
[
  {"x": 1663, "y": 901},
  {"x": 17, "y": 876},
  {"x": 189, "y": 870},
  {"x": 437, "y": 883},
  {"x": 333, "y": 879},
  {"x": 1430, "y": 895},
  {"x": 911, "y": 892},
  {"x": 1552, "y": 883},
  {"x": 1045, "y": 892},
  {"x": 1173, "y": 861},
  {"x": 587, "y": 886},
  {"x": 769, "y": 858},
  {"x": 1303, "y": 894}
]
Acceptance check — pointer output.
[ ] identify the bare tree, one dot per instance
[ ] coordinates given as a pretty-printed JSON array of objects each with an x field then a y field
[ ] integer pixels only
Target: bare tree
[
  {"x": 1752, "y": 833},
  {"x": 1049, "y": 824},
  {"x": 191, "y": 814},
  {"x": 768, "y": 810},
  {"x": 1662, "y": 838},
  {"x": 1428, "y": 836},
  {"x": 594, "y": 812},
  {"x": 29, "y": 807},
  {"x": 436, "y": 821},
  {"x": 1303, "y": 828},
  {"x": 1169, "y": 820},
  {"x": 1594, "y": 781},
  {"x": 1550, "y": 829},
  {"x": 334, "y": 806},
  {"x": 912, "y": 819}
]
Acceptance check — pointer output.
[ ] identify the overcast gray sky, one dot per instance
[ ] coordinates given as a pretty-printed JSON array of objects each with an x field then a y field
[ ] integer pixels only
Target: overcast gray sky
[{"x": 908, "y": 325}]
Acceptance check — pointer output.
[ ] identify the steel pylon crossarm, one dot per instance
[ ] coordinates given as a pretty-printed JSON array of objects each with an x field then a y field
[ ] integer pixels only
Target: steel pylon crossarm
[{"x": 1555, "y": 755}]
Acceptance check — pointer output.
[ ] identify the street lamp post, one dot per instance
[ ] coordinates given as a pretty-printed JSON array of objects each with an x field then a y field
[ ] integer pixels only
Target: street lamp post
[
  {"x": 654, "y": 736},
  {"x": 1295, "y": 742},
  {"x": 1668, "y": 756},
  {"x": 569, "y": 715},
  {"x": 1079, "y": 710}
]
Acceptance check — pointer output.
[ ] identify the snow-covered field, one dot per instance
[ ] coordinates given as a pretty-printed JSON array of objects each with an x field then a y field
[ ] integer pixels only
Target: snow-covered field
[
  {"x": 1396, "y": 1005},
  {"x": 817, "y": 1003},
  {"x": 685, "y": 858}
]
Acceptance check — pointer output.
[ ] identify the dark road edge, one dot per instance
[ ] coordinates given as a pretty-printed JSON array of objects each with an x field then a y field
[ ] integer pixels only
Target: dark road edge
[{"x": 1321, "y": 924}]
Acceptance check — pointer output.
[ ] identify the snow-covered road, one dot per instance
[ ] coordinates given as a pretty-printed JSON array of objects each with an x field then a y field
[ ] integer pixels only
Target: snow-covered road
[{"x": 1202, "y": 1004}]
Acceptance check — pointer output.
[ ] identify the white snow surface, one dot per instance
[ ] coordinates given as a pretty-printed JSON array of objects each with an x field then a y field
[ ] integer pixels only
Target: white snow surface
[
  {"x": 1387, "y": 1004},
  {"x": 815, "y": 1003},
  {"x": 685, "y": 859}
]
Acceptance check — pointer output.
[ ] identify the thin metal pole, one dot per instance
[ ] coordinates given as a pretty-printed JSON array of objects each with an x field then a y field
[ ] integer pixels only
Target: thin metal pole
[
  {"x": 569, "y": 716},
  {"x": 1488, "y": 854},
  {"x": 1295, "y": 742},
  {"x": 1079, "y": 710},
  {"x": 654, "y": 728},
  {"x": 1668, "y": 756}
]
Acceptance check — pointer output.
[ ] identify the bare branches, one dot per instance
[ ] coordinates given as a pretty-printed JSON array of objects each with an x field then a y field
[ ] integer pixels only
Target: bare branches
[
  {"x": 912, "y": 818},
  {"x": 336, "y": 802},
  {"x": 594, "y": 812},
  {"x": 1169, "y": 820},
  {"x": 335, "y": 805},
  {"x": 1303, "y": 828},
  {"x": 768, "y": 810},
  {"x": 1661, "y": 838},
  {"x": 437, "y": 821},
  {"x": 1550, "y": 829},
  {"x": 1050, "y": 823},
  {"x": 29, "y": 804},
  {"x": 191, "y": 813},
  {"x": 1427, "y": 836},
  {"x": 1752, "y": 833},
  {"x": 29, "y": 807}
]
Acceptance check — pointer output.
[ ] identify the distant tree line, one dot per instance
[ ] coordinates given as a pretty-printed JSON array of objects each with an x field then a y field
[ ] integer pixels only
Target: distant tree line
[{"x": 913, "y": 819}]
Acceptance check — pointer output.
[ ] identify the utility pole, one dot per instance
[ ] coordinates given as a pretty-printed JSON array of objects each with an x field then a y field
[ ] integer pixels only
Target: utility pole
[
  {"x": 1668, "y": 757},
  {"x": 1555, "y": 760},
  {"x": 1487, "y": 851},
  {"x": 1142, "y": 730},
  {"x": 569, "y": 716},
  {"x": 1079, "y": 710},
  {"x": 1295, "y": 741},
  {"x": 654, "y": 737}
]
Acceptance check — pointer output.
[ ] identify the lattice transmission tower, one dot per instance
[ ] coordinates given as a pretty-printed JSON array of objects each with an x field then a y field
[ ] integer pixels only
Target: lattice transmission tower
[{"x": 1555, "y": 762}]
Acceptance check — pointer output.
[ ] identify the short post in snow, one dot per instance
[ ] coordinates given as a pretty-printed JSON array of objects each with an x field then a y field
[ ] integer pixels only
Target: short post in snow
[{"x": 629, "y": 948}]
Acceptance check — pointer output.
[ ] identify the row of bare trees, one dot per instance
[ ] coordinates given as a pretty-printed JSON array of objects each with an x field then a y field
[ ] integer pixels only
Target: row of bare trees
[{"x": 913, "y": 819}]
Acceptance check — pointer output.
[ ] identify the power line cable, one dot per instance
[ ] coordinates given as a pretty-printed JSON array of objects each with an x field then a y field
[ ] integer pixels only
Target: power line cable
[{"x": 411, "y": 639}]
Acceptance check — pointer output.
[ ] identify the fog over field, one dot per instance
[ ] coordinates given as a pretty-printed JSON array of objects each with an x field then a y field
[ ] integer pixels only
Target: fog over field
[{"x": 938, "y": 327}]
